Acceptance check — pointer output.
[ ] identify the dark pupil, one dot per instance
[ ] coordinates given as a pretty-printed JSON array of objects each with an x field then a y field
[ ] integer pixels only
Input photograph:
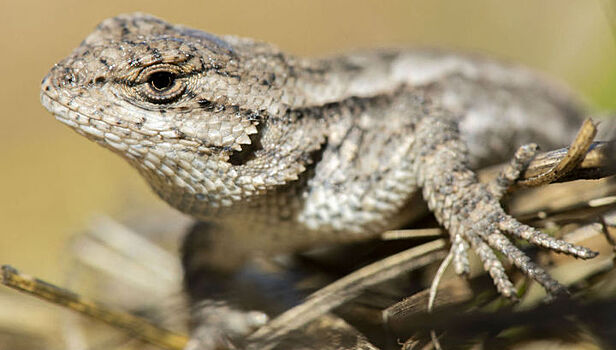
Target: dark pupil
[{"x": 161, "y": 80}]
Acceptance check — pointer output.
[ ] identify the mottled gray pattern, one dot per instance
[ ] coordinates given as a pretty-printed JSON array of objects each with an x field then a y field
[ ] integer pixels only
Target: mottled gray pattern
[{"x": 280, "y": 153}]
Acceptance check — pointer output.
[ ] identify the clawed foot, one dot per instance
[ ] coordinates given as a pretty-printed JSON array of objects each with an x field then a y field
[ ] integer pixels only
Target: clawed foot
[
  {"x": 484, "y": 228},
  {"x": 219, "y": 326}
]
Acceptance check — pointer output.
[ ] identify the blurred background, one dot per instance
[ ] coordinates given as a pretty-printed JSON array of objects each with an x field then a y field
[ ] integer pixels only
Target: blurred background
[{"x": 53, "y": 181}]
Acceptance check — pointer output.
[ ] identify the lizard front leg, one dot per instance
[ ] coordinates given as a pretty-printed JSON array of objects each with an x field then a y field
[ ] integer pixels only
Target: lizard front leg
[
  {"x": 222, "y": 285},
  {"x": 471, "y": 211}
]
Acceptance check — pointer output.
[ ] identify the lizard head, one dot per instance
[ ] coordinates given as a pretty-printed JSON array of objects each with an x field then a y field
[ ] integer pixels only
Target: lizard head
[{"x": 191, "y": 111}]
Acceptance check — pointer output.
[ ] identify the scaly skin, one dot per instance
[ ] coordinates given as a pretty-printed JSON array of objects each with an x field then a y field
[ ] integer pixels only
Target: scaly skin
[{"x": 279, "y": 153}]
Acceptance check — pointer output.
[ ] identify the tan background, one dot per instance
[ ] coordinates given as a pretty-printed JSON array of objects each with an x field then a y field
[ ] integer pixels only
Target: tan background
[{"x": 52, "y": 180}]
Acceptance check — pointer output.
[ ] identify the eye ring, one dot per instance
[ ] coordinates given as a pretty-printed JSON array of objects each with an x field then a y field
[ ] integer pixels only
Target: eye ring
[{"x": 161, "y": 84}]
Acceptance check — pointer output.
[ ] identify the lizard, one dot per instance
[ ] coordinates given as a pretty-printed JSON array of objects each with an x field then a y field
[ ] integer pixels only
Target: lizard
[{"x": 276, "y": 153}]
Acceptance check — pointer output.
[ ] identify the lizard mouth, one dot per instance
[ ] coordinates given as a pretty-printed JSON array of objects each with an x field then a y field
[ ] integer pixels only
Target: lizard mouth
[
  {"x": 92, "y": 128},
  {"x": 72, "y": 118},
  {"x": 61, "y": 112}
]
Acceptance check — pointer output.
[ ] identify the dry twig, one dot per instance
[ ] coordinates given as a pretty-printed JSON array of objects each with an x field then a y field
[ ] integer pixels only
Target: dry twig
[
  {"x": 343, "y": 290},
  {"x": 137, "y": 326}
]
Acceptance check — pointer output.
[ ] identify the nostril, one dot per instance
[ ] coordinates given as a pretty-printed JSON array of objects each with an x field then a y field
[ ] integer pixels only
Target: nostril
[{"x": 69, "y": 77}]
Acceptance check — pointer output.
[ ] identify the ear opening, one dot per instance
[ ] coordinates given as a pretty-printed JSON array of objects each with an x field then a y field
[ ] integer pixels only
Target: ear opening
[{"x": 248, "y": 152}]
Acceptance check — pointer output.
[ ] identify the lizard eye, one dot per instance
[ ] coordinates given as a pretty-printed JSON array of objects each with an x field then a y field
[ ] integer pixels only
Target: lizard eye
[
  {"x": 161, "y": 84},
  {"x": 161, "y": 81}
]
